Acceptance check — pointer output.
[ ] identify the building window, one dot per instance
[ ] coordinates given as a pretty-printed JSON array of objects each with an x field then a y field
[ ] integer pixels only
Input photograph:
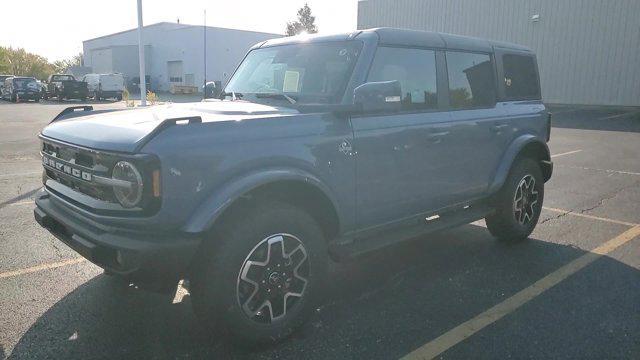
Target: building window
[
  {"x": 471, "y": 80},
  {"x": 520, "y": 77},
  {"x": 415, "y": 69},
  {"x": 175, "y": 79}
]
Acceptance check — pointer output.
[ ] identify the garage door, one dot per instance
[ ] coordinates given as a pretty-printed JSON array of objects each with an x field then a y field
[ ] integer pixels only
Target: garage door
[{"x": 174, "y": 69}]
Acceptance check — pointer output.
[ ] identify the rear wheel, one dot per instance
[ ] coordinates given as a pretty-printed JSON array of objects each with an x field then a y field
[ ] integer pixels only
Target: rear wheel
[
  {"x": 519, "y": 203},
  {"x": 259, "y": 278}
]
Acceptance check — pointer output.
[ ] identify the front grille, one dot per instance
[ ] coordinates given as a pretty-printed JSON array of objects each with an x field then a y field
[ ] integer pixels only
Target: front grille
[{"x": 76, "y": 167}]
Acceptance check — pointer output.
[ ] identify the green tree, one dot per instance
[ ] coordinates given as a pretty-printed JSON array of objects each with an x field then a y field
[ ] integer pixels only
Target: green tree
[
  {"x": 305, "y": 22},
  {"x": 23, "y": 63},
  {"x": 4, "y": 60},
  {"x": 61, "y": 66}
]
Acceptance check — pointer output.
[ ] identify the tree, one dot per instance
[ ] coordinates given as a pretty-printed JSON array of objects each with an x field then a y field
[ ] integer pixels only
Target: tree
[
  {"x": 305, "y": 22},
  {"x": 4, "y": 61},
  {"x": 22, "y": 63},
  {"x": 61, "y": 66}
]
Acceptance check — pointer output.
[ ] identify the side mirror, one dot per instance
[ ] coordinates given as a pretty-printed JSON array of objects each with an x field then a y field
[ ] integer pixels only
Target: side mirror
[{"x": 379, "y": 96}]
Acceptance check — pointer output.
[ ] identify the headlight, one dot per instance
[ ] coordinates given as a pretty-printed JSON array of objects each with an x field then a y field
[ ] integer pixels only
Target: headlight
[{"x": 127, "y": 196}]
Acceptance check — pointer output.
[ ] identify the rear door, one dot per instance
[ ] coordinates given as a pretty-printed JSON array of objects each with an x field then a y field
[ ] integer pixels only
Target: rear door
[
  {"x": 482, "y": 129},
  {"x": 400, "y": 156}
]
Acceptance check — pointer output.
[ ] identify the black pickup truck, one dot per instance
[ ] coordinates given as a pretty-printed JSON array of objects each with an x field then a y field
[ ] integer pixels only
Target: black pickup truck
[{"x": 65, "y": 86}]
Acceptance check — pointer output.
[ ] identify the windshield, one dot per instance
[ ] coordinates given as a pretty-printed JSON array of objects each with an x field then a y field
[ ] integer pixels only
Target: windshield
[
  {"x": 25, "y": 84},
  {"x": 306, "y": 73}
]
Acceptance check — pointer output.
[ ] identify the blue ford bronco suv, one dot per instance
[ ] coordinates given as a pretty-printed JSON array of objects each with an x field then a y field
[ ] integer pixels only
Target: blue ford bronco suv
[{"x": 317, "y": 147}]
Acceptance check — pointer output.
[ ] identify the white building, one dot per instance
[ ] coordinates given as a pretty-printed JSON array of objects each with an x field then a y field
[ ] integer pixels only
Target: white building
[{"x": 174, "y": 53}]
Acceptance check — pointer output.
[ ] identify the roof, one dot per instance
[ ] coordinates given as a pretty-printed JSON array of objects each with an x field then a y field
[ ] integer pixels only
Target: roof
[
  {"x": 176, "y": 26},
  {"x": 406, "y": 37}
]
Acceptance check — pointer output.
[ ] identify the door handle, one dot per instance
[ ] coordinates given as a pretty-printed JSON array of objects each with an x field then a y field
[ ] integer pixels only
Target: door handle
[{"x": 499, "y": 128}]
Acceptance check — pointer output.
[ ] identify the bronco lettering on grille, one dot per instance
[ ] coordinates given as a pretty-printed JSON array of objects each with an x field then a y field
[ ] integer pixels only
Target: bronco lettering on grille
[{"x": 66, "y": 168}]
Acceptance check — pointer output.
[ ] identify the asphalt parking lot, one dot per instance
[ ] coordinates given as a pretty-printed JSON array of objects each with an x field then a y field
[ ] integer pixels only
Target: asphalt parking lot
[{"x": 571, "y": 291}]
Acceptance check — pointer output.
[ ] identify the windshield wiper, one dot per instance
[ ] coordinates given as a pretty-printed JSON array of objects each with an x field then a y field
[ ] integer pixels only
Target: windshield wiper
[{"x": 276, "y": 96}]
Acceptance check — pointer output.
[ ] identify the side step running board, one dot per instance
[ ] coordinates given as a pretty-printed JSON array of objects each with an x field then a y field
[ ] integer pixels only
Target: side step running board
[{"x": 428, "y": 225}]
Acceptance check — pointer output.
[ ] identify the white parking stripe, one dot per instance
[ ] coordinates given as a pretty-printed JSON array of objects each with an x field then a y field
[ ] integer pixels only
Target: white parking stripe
[
  {"x": 603, "y": 170},
  {"x": 566, "y": 153}
]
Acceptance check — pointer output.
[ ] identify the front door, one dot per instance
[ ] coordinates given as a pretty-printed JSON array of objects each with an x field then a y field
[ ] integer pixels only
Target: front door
[{"x": 399, "y": 155}]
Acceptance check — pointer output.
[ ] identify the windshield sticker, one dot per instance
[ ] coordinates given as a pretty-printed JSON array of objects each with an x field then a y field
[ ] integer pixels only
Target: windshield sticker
[{"x": 291, "y": 80}]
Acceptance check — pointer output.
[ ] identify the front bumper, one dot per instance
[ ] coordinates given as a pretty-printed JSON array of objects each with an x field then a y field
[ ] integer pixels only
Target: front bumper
[
  {"x": 139, "y": 255},
  {"x": 74, "y": 94},
  {"x": 28, "y": 96}
]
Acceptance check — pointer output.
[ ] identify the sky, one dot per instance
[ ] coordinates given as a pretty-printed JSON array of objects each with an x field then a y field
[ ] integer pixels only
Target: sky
[{"x": 57, "y": 28}]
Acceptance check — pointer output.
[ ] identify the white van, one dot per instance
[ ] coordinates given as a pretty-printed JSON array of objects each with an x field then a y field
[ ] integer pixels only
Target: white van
[{"x": 103, "y": 86}]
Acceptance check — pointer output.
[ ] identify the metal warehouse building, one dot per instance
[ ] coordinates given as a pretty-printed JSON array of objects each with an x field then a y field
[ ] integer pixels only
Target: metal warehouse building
[
  {"x": 174, "y": 53},
  {"x": 588, "y": 50}
]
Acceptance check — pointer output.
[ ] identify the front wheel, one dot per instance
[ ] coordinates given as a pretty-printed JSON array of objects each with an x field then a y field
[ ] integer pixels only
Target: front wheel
[
  {"x": 261, "y": 273},
  {"x": 519, "y": 203}
]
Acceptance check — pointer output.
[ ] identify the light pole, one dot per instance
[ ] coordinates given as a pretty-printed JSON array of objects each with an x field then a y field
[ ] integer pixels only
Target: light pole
[
  {"x": 204, "y": 30},
  {"x": 143, "y": 78}
]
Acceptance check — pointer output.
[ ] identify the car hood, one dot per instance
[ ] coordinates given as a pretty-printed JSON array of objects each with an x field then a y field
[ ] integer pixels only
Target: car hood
[{"x": 126, "y": 130}]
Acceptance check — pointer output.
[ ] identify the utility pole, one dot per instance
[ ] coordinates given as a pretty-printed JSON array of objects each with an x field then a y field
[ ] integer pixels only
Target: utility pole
[
  {"x": 204, "y": 89},
  {"x": 143, "y": 78}
]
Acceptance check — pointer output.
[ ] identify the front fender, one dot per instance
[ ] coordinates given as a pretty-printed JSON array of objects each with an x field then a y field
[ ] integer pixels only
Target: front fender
[
  {"x": 515, "y": 148},
  {"x": 208, "y": 212}
]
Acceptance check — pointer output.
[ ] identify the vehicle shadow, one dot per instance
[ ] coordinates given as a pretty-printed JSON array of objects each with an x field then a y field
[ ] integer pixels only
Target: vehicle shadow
[
  {"x": 19, "y": 197},
  {"x": 597, "y": 119},
  {"x": 379, "y": 306}
]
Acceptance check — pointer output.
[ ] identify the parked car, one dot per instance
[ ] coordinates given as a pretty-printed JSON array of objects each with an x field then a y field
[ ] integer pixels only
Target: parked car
[
  {"x": 65, "y": 86},
  {"x": 43, "y": 89},
  {"x": 322, "y": 146},
  {"x": 3, "y": 77},
  {"x": 104, "y": 86},
  {"x": 20, "y": 88}
]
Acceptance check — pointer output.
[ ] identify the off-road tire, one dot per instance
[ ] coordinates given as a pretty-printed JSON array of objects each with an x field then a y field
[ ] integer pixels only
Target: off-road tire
[
  {"x": 215, "y": 279},
  {"x": 504, "y": 223}
]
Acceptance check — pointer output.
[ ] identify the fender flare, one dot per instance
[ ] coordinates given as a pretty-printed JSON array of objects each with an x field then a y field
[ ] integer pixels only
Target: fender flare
[
  {"x": 509, "y": 157},
  {"x": 217, "y": 202}
]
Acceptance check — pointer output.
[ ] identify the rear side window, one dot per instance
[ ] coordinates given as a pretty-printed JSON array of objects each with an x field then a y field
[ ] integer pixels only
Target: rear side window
[
  {"x": 520, "y": 77},
  {"x": 415, "y": 69},
  {"x": 471, "y": 80}
]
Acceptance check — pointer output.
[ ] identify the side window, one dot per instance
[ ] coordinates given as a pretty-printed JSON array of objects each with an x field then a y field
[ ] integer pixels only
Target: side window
[
  {"x": 471, "y": 80},
  {"x": 415, "y": 69},
  {"x": 520, "y": 77}
]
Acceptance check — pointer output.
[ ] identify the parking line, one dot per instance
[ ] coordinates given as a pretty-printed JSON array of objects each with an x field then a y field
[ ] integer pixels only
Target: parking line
[
  {"x": 619, "y": 115},
  {"x": 42, "y": 267},
  {"x": 603, "y": 170},
  {"x": 470, "y": 327},
  {"x": 27, "y": 202},
  {"x": 566, "y": 153},
  {"x": 9, "y": 176},
  {"x": 587, "y": 216}
]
